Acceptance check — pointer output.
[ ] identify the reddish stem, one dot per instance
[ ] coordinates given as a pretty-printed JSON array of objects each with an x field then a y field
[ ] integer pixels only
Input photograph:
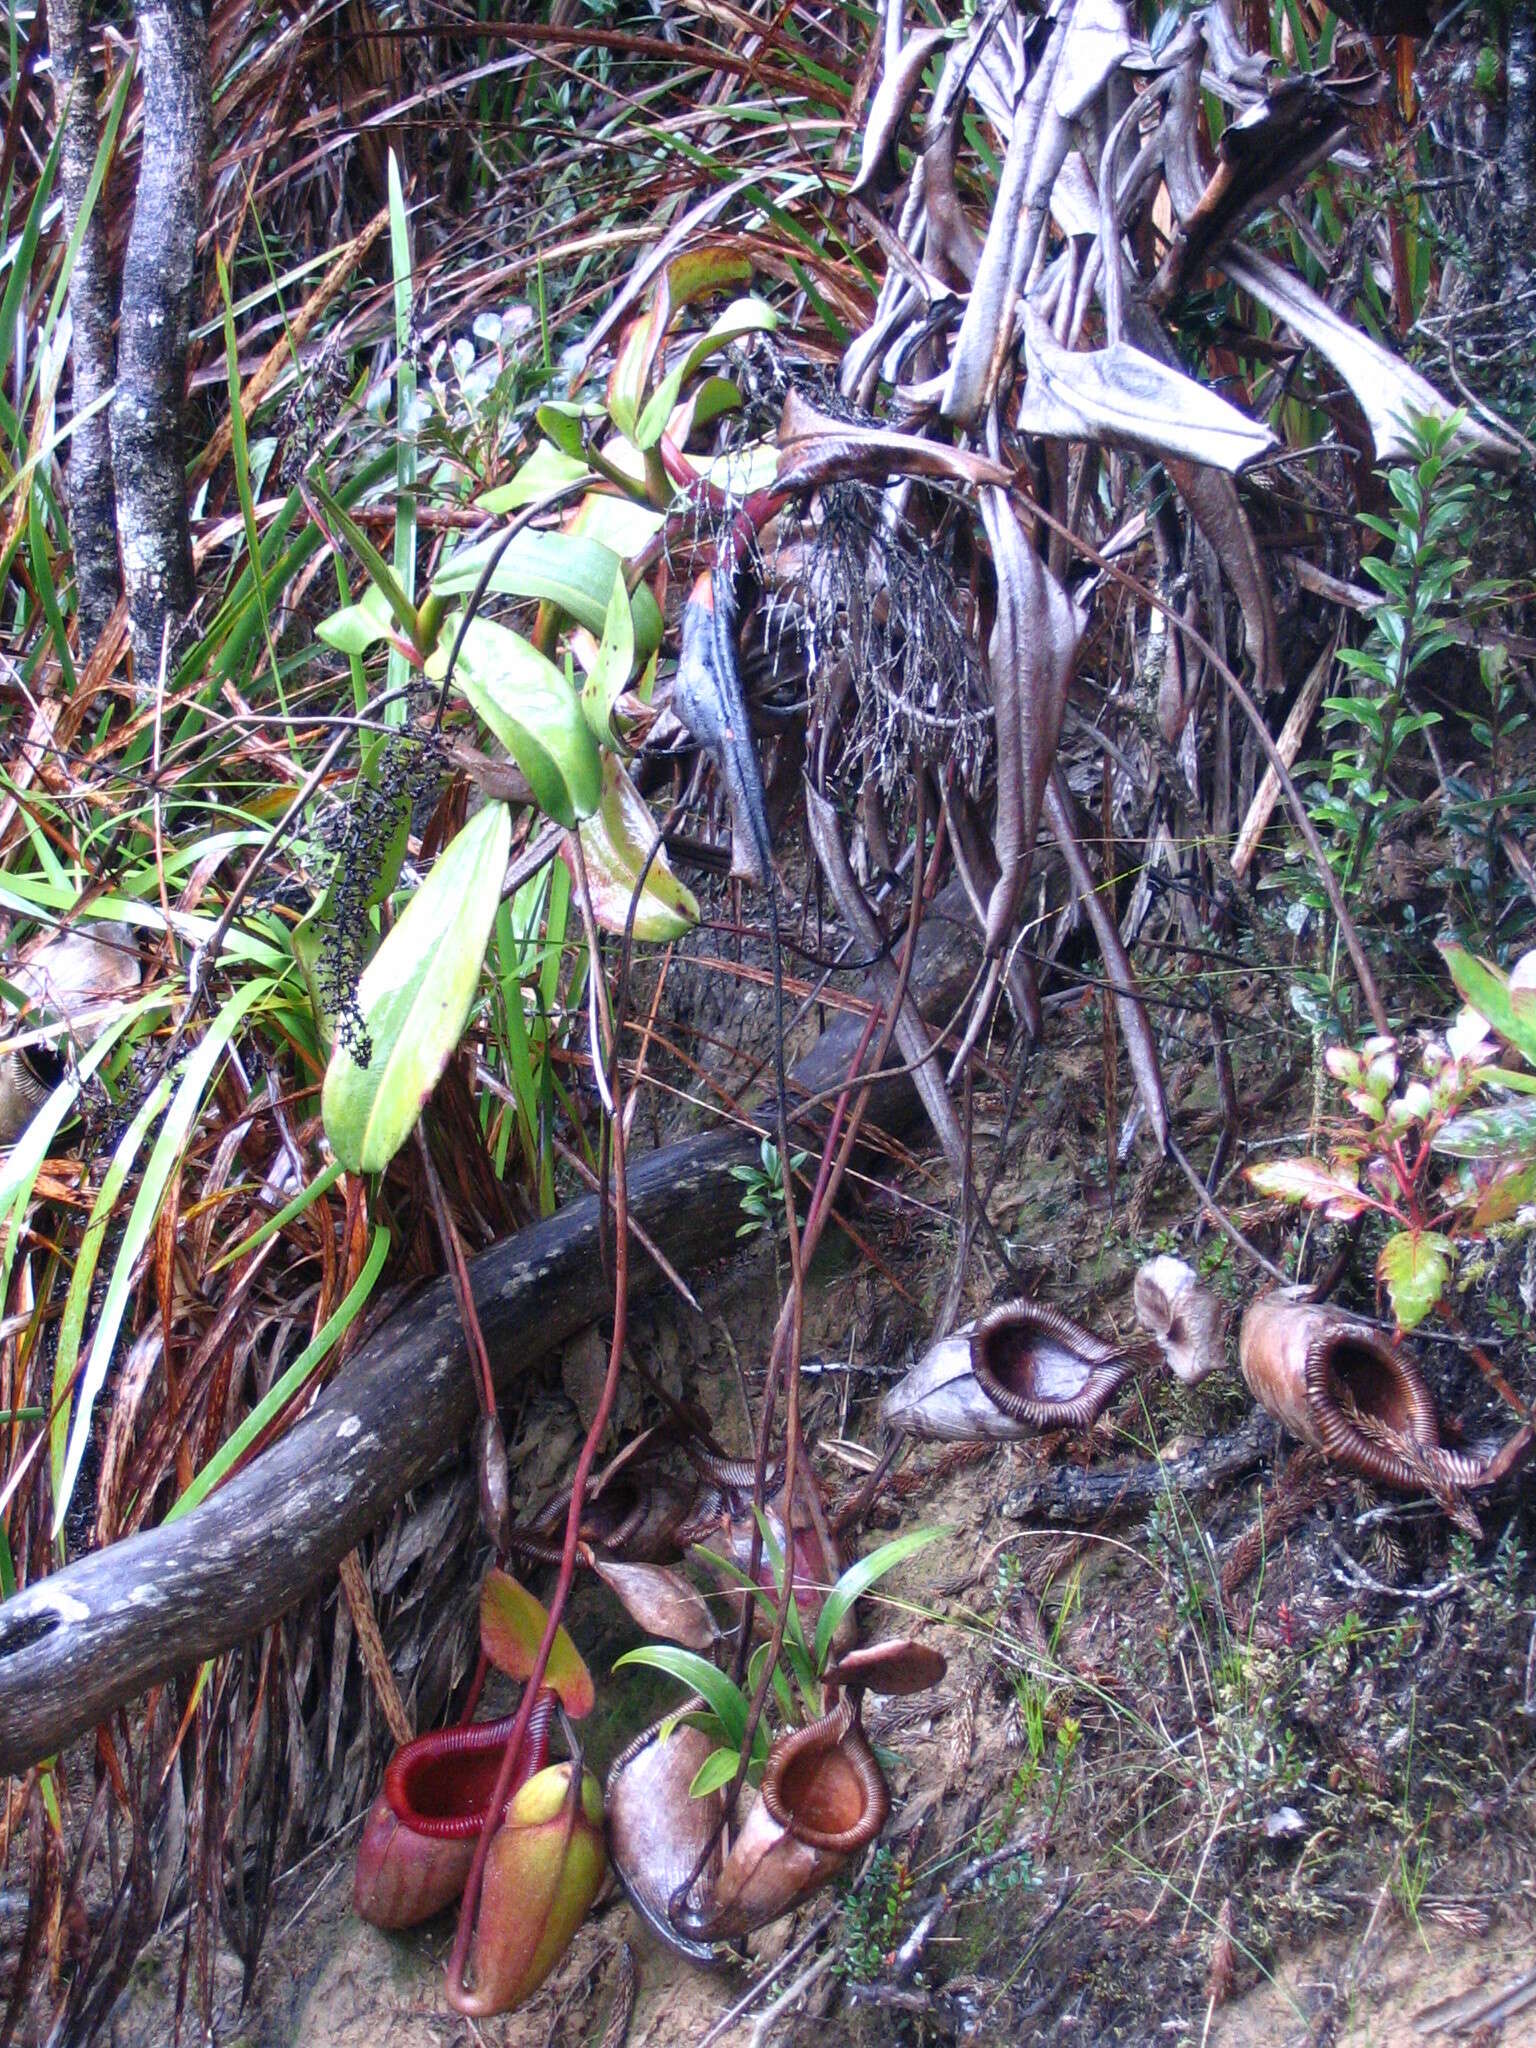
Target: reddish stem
[
  {"x": 470, "y": 1906},
  {"x": 476, "y": 1687},
  {"x": 471, "y": 1741},
  {"x": 753, "y": 511}
]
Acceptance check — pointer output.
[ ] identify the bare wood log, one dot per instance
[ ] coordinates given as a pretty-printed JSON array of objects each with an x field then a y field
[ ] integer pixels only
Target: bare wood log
[
  {"x": 158, "y": 274},
  {"x": 84, "y": 1640},
  {"x": 1073, "y": 1493}
]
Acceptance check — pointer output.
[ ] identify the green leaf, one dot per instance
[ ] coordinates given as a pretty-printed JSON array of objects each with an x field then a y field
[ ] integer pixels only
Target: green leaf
[
  {"x": 632, "y": 368},
  {"x": 547, "y": 469},
  {"x": 728, "y": 1702},
  {"x": 861, "y": 1576},
  {"x": 20, "y": 1166},
  {"x": 323, "y": 1181},
  {"x": 562, "y": 422},
  {"x": 20, "y": 260},
  {"x": 415, "y": 996},
  {"x": 714, "y": 396},
  {"x": 615, "y": 841},
  {"x": 532, "y": 710},
  {"x": 1414, "y": 1267},
  {"x": 1481, "y": 985},
  {"x": 563, "y": 569},
  {"x": 62, "y": 1451},
  {"x": 179, "y": 1119},
  {"x": 1507, "y": 1130},
  {"x": 614, "y": 665},
  {"x": 1517, "y": 1082},
  {"x": 718, "y": 1769},
  {"x": 357, "y": 627},
  {"x": 773, "y": 1550},
  {"x": 745, "y": 316},
  {"x": 392, "y": 590},
  {"x": 405, "y": 430},
  {"x": 780, "y": 1684}
]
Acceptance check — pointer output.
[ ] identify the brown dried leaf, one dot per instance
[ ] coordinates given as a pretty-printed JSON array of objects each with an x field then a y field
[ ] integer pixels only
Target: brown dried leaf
[
  {"x": 1032, "y": 654},
  {"x": 1127, "y": 397},
  {"x": 661, "y": 1601},
  {"x": 888, "y": 109},
  {"x": 817, "y": 449}
]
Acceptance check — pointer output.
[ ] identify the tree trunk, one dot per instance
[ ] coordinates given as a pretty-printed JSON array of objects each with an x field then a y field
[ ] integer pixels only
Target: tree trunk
[
  {"x": 92, "y": 512},
  {"x": 152, "y": 344}
]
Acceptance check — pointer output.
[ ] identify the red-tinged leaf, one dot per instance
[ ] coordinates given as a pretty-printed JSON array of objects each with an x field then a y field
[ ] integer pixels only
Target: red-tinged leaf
[
  {"x": 817, "y": 449},
  {"x": 1511, "y": 1189},
  {"x": 1309, "y": 1181},
  {"x": 512, "y": 1625},
  {"x": 1414, "y": 1267},
  {"x": 712, "y": 267}
]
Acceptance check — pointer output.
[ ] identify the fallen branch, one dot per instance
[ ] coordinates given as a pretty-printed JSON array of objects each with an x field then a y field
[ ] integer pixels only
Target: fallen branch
[
  {"x": 81, "y": 1642},
  {"x": 1072, "y": 1493}
]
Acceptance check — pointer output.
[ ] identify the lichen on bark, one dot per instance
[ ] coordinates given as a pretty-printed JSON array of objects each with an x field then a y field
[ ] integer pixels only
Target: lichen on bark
[
  {"x": 92, "y": 513},
  {"x": 158, "y": 273}
]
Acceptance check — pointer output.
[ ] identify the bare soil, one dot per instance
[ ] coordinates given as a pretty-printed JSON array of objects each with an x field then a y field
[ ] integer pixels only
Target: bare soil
[{"x": 1298, "y": 1810}]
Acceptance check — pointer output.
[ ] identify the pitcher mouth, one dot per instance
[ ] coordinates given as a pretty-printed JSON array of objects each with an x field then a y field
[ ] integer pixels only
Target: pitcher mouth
[
  {"x": 441, "y": 1785},
  {"x": 1041, "y": 1368},
  {"x": 1356, "y": 1386},
  {"x": 825, "y": 1786}
]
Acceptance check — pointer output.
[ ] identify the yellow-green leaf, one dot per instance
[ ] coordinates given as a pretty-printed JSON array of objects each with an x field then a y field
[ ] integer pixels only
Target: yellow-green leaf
[
  {"x": 1414, "y": 1267},
  {"x": 615, "y": 841},
  {"x": 532, "y": 710},
  {"x": 415, "y": 996},
  {"x": 547, "y": 469},
  {"x": 512, "y": 1625},
  {"x": 1487, "y": 989},
  {"x": 564, "y": 569},
  {"x": 613, "y": 667}
]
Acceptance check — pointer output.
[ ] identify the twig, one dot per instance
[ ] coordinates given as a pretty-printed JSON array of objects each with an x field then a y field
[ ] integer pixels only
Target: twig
[
  {"x": 1070, "y": 1492},
  {"x": 791, "y": 1955},
  {"x": 617, "y": 2030},
  {"x": 1288, "y": 746},
  {"x": 1213, "y": 1209},
  {"x": 807, "y": 1977},
  {"x": 1361, "y": 1581},
  {"x": 910, "y": 1954}
]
